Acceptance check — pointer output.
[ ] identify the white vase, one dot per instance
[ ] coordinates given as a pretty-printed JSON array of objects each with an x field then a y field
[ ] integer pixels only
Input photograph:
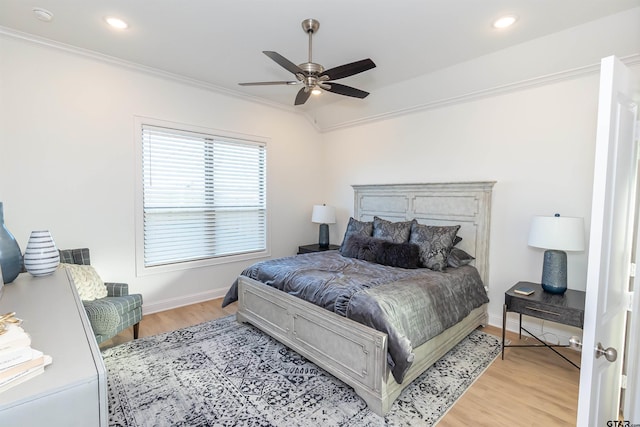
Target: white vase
[{"x": 41, "y": 257}]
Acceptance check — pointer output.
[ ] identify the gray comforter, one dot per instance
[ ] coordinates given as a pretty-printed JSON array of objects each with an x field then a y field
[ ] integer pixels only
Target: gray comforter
[{"x": 410, "y": 305}]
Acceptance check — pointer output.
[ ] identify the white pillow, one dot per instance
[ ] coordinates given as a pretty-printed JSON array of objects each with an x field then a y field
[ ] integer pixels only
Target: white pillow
[{"x": 88, "y": 283}]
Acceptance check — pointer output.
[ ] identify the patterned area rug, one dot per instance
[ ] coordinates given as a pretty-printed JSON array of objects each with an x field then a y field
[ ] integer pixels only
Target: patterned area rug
[{"x": 224, "y": 373}]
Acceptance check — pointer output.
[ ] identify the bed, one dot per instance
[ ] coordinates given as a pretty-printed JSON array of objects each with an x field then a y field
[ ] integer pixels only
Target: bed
[{"x": 358, "y": 354}]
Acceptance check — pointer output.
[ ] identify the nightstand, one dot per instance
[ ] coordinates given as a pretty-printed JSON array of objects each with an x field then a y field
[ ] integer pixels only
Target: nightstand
[
  {"x": 567, "y": 309},
  {"x": 307, "y": 249}
]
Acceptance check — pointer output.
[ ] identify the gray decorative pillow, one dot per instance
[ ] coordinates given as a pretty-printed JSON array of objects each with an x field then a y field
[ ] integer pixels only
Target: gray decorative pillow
[
  {"x": 403, "y": 255},
  {"x": 356, "y": 228},
  {"x": 457, "y": 258},
  {"x": 396, "y": 232},
  {"x": 435, "y": 243}
]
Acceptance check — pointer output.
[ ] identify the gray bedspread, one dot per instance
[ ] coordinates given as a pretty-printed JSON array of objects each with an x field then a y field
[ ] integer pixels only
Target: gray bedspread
[{"x": 410, "y": 305}]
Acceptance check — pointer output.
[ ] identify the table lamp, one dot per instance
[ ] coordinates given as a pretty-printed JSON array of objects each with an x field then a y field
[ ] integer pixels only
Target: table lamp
[
  {"x": 556, "y": 234},
  {"x": 323, "y": 215}
]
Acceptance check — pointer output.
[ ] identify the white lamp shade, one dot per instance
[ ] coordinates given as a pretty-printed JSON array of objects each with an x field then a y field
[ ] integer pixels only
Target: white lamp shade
[
  {"x": 561, "y": 233},
  {"x": 323, "y": 214}
]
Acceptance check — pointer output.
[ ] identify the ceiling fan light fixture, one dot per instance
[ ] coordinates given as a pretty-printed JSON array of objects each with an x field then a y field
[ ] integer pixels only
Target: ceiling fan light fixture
[
  {"x": 505, "y": 21},
  {"x": 316, "y": 91}
]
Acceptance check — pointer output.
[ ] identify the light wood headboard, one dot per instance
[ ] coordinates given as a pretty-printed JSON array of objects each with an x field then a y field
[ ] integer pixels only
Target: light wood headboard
[{"x": 467, "y": 204}]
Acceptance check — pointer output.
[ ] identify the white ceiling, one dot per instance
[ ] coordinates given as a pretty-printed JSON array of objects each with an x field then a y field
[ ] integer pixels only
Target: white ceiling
[{"x": 220, "y": 42}]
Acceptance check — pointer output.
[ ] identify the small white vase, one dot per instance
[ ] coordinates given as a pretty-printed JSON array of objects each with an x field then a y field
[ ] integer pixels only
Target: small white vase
[{"x": 41, "y": 257}]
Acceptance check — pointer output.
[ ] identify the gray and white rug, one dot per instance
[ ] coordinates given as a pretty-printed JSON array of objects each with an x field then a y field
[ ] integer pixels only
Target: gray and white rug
[{"x": 222, "y": 373}]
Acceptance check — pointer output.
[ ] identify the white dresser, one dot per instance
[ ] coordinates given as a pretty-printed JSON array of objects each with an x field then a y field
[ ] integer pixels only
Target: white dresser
[{"x": 72, "y": 391}]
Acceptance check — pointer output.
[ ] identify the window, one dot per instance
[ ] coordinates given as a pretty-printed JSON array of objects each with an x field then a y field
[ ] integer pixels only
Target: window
[{"x": 203, "y": 197}]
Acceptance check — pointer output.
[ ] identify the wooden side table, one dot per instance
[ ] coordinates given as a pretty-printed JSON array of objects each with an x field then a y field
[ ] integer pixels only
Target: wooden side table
[
  {"x": 567, "y": 309},
  {"x": 306, "y": 249}
]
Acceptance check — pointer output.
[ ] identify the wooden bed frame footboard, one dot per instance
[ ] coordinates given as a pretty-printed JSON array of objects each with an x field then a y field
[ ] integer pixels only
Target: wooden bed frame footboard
[
  {"x": 348, "y": 350},
  {"x": 352, "y": 352}
]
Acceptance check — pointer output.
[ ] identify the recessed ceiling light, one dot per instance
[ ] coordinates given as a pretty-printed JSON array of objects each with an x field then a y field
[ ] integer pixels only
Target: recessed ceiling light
[
  {"x": 116, "y": 23},
  {"x": 42, "y": 14},
  {"x": 505, "y": 21}
]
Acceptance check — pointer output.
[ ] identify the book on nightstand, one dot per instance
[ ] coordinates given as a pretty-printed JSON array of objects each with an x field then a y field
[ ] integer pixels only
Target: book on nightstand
[{"x": 524, "y": 290}]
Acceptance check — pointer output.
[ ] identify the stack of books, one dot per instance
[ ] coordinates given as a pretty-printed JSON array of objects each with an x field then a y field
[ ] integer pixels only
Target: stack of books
[{"x": 18, "y": 361}]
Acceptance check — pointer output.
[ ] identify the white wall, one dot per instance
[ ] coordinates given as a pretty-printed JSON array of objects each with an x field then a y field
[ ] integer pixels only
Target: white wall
[
  {"x": 538, "y": 144},
  {"x": 67, "y": 161}
]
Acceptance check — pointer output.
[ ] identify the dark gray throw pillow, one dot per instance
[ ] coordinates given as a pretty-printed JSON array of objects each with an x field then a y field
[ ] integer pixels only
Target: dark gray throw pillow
[
  {"x": 396, "y": 232},
  {"x": 457, "y": 258},
  {"x": 435, "y": 243},
  {"x": 359, "y": 228},
  {"x": 403, "y": 255}
]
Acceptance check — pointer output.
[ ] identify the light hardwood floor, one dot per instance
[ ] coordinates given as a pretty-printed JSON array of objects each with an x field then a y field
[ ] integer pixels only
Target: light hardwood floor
[{"x": 530, "y": 387}]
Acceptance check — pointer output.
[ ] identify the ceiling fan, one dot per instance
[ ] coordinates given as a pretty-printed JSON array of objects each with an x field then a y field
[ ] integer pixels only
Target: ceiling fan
[{"x": 313, "y": 76}]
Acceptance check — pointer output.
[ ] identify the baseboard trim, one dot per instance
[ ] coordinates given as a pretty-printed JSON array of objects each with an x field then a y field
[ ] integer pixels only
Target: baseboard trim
[
  {"x": 553, "y": 333},
  {"x": 181, "y": 301}
]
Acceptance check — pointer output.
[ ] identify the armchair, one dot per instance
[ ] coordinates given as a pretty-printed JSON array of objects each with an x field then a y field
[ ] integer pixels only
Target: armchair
[{"x": 114, "y": 313}]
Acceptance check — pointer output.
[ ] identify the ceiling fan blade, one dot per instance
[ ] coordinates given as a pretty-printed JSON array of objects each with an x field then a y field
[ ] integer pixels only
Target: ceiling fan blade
[
  {"x": 346, "y": 90},
  {"x": 347, "y": 70},
  {"x": 269, "y": 83},
  {"x": 302, "y": 96},
  {"x": 284, "y": 62}
]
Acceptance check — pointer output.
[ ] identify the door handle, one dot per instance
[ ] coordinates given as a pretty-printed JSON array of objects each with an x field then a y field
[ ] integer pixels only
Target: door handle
[
  {"x": 611, "y": 354},
  {"x": 575, "y": 343}
]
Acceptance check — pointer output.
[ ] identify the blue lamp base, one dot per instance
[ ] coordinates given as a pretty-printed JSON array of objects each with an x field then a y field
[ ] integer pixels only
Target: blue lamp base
[
  {"x": 554, "y": 272},
  {"x": 323, "y": 238}
]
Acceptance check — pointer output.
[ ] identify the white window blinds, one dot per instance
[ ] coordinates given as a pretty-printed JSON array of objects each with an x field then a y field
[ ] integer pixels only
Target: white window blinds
[{"x": 203, "y": 196}]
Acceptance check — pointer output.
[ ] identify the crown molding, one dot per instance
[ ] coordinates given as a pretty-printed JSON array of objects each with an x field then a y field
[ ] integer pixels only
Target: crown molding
[
  {"x": 630, "y": 60},
  {"x": 111, "y": 60}
]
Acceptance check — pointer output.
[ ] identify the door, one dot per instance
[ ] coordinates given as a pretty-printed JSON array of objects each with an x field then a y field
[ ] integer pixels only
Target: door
[
  {"x": 632, "y": 393},
  {"x": 608, "y": 273}
]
